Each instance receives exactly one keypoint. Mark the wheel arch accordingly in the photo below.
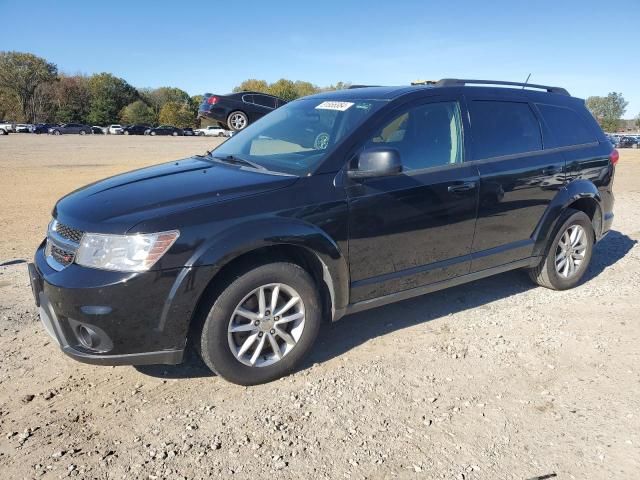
(580, 195)
(273, 240)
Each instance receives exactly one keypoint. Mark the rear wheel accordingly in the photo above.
(175, 134)
(3, 131)
(82, 132)
(57, 132)
(262, 324)
(568, 255)
(237, 121)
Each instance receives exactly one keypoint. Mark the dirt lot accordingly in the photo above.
(495, 379)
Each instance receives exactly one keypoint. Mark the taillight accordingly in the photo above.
(614, 156)
(212, 100)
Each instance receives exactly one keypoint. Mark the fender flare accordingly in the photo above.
(573, 191)
(244, 238)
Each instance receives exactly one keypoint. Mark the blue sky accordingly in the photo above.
(588, 46)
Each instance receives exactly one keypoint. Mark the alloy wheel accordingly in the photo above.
(571, 251)
(266, 325)
(238, 121)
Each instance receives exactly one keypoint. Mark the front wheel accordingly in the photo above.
(57, 132)
(82, 132)
(568, 255)
(262, 324)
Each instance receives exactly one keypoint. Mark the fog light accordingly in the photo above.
(88, 338)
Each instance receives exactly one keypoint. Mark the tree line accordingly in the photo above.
(32, 90)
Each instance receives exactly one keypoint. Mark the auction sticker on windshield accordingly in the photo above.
(341, 106)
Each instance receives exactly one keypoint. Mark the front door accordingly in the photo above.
(417, 227)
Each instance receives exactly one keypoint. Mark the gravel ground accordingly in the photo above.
(494, 379)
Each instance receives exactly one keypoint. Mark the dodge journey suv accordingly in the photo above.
(332, 204)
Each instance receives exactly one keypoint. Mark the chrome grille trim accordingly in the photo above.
(62, 244)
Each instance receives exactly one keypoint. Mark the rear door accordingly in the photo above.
(518, 179)
(415, 228)
(263, 105)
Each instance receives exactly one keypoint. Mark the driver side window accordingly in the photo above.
(428, 135)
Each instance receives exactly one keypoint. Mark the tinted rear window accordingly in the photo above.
(567, 127)
(503, 128)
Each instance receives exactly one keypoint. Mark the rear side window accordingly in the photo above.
(567, 127)
(264, 101)
(503, 128)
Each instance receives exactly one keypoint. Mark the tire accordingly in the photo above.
(219, 348)
(546, 274)
(153, 134)
(57, 132)
(3, 131)
(175, 134)
(82, 132)
(126, 132)
(237, 121)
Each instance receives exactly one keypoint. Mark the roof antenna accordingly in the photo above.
(526, 81)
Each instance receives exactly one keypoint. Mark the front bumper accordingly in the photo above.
(115, 318)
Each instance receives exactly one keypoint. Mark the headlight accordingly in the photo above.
(124, 253)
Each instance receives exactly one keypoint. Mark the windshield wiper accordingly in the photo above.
(237, 161)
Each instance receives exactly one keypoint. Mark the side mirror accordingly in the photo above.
(376, 162)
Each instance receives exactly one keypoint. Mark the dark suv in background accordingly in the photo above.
(237, 110)
(335, 203)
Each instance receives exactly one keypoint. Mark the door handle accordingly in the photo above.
(461, 187)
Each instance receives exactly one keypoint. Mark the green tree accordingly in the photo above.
(137, 112)
(157, 98)
(71, 99)
(253, 85)
(9, 106)
(305, 88)
(177, 114)
(608, 110)
(109, 95)
(638, 121)
(284, 89)
(21, 74)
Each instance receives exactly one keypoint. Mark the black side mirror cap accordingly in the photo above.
(376, 162)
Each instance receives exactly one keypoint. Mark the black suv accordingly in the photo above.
(137, 129)
(237, 110)
(333, 204)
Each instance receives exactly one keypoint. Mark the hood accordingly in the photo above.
(118, 203)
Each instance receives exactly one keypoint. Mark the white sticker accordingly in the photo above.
(341, 106)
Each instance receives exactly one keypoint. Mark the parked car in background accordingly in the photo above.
(70, 128)
(188, 132)
(237, 110)
(23, 128)
(136, 129)
(212, 131)
(98, 130)
(165, 130)
(7, 127)
(40, 128)
(115, 129)
(627, 142)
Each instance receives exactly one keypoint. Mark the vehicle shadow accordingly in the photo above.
(340, 337)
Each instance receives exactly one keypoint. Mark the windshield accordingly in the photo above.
(295, 138)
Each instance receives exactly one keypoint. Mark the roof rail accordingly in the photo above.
(361, 86)
(456, 82)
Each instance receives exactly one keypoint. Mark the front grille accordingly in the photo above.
(67, 232)
(63, 257)
(62, 244)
